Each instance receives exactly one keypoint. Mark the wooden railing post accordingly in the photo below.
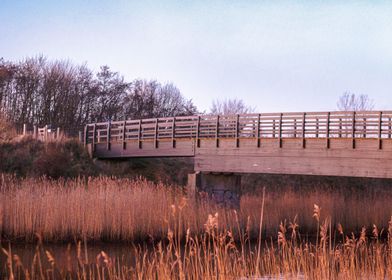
(198, 132)
(124, 136)
(139, 136)
(174, 132)
(364, 128)
(156, 134)
(258, 131)
(327, 128)
(24, 129)
(380, 130)
(340, 127)
(108, 136)
(217, 132)
(280, 130)
(237, 120)
(353, 130)
(273, 128)
(94, 133)
(85, 135)
(295, 127)
(58, 133)
(35, 134)
(303, 130)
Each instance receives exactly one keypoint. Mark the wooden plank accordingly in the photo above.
(326, 166)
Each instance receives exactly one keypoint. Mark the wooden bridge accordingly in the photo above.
(316, 143)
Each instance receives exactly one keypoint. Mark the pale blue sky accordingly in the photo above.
(275, 55)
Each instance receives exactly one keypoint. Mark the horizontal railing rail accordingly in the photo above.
(338, 124)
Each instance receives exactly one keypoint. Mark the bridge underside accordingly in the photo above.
(326, 157)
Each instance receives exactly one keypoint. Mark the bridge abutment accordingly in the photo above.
(222, 188)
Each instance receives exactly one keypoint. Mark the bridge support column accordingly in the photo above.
(223, 188)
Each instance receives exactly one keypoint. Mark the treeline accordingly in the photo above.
(37, 91)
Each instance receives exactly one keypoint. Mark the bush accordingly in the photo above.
(7, 131)
(30, 157)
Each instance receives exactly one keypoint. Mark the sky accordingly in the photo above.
(275, 55)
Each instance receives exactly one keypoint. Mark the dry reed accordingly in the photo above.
(122, 209)
(214, 254)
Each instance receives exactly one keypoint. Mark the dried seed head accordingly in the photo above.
(316, 212)
(340, 229)
(50, 257)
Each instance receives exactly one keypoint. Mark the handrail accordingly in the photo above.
(301, 125)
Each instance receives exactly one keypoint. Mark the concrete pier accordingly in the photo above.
(223, 188)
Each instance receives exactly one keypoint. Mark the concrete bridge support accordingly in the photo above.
(223, 188)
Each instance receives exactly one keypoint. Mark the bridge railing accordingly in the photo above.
(364, 124)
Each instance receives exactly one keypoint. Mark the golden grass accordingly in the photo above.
(215, 254)
(124, 209)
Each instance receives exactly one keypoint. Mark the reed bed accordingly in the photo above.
(113, 209)
(215, 254)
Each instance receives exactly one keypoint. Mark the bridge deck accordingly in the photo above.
(319, 143)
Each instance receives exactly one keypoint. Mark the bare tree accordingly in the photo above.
(36, 91)
(150, 99)
(351, 102)
(230, 107)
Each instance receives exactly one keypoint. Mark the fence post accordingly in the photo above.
(108, 136)
(58, 133)
(46, 133)
(156, 134)
(94, 135)
(124, 134)
(353, 130)
(217, 132)
(85, 135)
(380, 130)
(139, 136)
(80, 136)
(198, 132)
(303, 129)
(35, 132)
(237, 141)
(327, 133)
(280, 130)
(258, 131)
(174, 132)
(24, 129)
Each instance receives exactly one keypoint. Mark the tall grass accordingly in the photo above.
(215, 254)
(124, 209)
